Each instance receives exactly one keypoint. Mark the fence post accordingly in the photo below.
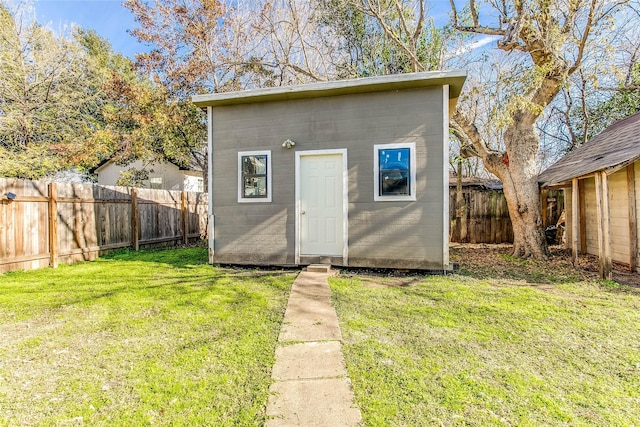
(53, 225)
(576, 216)
(544, 200)
(134, 219)
(185, 231)
(633, 221)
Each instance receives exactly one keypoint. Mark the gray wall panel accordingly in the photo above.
(409, 234)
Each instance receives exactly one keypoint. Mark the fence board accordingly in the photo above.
(90, 220)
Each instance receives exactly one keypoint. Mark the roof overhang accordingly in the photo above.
(565, 181)
(454, 79)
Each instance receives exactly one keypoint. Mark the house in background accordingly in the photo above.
(600, 180)
(162, 176)
(351, 173)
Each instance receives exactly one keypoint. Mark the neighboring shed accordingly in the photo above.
(600, 180)
(162, 175)
(352, 172)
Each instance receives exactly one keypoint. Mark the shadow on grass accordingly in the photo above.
(174, 274)
(177, 257)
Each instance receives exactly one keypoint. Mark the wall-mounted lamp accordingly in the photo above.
(288, 143)
(10, 196)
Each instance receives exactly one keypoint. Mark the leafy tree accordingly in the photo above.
(385, 36)
(200, 46)
(44, 105)
(71, 102)
(133, 177)
(605, 88)
(624, 101)
(138, 120)
(188, 42)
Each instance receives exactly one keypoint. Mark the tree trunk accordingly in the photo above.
(519, 177)
(517, 170)
(523, 201)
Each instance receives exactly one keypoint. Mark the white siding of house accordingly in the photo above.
(193, 182)
(172, 177)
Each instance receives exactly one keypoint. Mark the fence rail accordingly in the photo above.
(63, 222)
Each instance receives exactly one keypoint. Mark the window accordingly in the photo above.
(395, 172)
(254, 176)
(155, 183)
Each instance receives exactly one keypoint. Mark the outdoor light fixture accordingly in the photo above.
(11, 196)
(288, 144)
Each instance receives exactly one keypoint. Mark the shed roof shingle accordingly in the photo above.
(614, 146)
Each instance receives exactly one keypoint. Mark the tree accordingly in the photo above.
(133, 177)
(138, 120)
(385, 37)
(605, 89)
(44, 105)
(188, 41)
(200, 46)
(203, 46)
(549, 40)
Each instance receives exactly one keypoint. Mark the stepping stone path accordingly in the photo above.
(311, 386)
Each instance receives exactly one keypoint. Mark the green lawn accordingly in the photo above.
(147, 338)
(162, 338)
(467, 350)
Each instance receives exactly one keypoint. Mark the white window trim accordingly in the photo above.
(242, 199)
(412, 177)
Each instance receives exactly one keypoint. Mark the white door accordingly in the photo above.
(321, 198)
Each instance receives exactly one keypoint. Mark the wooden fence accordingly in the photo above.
(50, 223)
(483, 216)
(62, 222)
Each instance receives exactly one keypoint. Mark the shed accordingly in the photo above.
(349, 173)
(600, 180)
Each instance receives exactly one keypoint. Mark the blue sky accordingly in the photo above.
(111, 20)
(107, 17)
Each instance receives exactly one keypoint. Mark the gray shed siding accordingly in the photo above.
(409, 234)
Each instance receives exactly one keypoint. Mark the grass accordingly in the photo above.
(464, 350)
(147, 338)
(162, 338)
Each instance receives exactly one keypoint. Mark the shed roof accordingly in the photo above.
(455, 79)
(616, 146)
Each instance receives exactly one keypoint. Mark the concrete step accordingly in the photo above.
(319, 268)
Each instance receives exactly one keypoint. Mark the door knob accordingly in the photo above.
(302, 212)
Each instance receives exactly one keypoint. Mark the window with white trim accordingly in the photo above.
(395, 172)
(254, 176)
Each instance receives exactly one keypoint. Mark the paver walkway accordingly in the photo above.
(311, 385)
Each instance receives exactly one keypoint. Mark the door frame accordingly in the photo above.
(345, 198)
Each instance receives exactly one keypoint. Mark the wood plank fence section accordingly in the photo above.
(483, 216)
(63, 222)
